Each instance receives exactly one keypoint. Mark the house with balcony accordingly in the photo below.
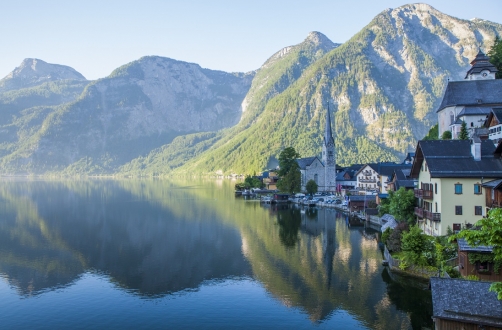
(450, 175)
(367, 178)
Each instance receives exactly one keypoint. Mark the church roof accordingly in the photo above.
(304, 162)
(479, 63)
(475, 111)
(480, 93)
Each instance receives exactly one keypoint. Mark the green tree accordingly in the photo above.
(311, 186)
(384, 207)
(488, 234)
(464, 134)
(495, 55)
(414, 243)
(289, 171)
(402, 205)
(446, 135)
(252, 182)
(433, 133)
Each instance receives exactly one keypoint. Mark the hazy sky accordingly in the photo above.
(97, 36)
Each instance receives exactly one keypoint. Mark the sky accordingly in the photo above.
(97, 36)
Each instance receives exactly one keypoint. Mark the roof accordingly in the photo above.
(453, 159)
(472, 92)
(390, 222)
(351, 173)
(465, 301)
(479, 63)
(492, 184)
(362, 198)
(403, 178)
(464, 246)
(474, 111)
(304, 162)
(495, 112)
(384, 168)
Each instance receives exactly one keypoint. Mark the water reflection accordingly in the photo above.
(52, 232)
(153, 238)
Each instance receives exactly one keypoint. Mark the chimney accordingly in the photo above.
(476, 147)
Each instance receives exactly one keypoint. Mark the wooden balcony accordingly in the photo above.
(419, 212)
(423, 194)
(432, 216)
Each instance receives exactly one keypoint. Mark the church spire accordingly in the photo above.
(328, 135)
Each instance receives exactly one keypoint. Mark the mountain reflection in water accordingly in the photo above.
(153, 238)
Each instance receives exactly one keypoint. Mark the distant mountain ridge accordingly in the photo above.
(33, 72)
(158, 116)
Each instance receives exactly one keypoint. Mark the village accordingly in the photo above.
(454, 181)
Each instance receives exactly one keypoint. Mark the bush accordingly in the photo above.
(394, 240)
(386, 234)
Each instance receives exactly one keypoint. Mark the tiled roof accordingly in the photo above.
(493, 183)
(472, 92)
(474, 111)
(464, 246)
(362, 198)
(304, 162)
(465, 301)
(453, 159)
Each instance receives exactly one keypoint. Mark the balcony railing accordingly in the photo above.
(419, 212)
(423, 194)
(496, 204)
(367, 180)
(432, 216)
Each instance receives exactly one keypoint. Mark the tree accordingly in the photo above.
(287, 160)
(414, 243)
(464, 134)
(289, 171)
(495, 55)
(311, 186)
(402, 205)
(446, 135)
(252, 182)
(433, 133)
(488, 232)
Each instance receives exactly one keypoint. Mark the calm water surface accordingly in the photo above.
(131, 254)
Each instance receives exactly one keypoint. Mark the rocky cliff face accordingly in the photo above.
(384, 86)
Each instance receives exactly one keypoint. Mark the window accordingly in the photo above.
(458, 210)
(458, 188)
(315, 178)
(478, 210)
(435, 188)
(436, 207)
(477, 188)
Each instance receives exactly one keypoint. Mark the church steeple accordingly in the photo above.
(328, 156)
(481, 68)
(328, 135)
(328, 148)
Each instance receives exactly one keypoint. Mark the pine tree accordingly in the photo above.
(495, 55)
(464, 134)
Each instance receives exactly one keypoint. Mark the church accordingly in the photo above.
(322, 171)
(470, 100)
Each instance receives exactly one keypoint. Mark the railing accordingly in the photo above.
(432, 216)
(423, 194)
(419, 212)
(496, 203)
(367, 180)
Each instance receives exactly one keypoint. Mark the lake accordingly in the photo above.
(188, 254)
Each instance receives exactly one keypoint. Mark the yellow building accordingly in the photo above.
(450, 174)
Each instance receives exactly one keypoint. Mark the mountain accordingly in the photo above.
(140, 106)
(33, 72)
(383, 85)
(275, 76)
(157, 116)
